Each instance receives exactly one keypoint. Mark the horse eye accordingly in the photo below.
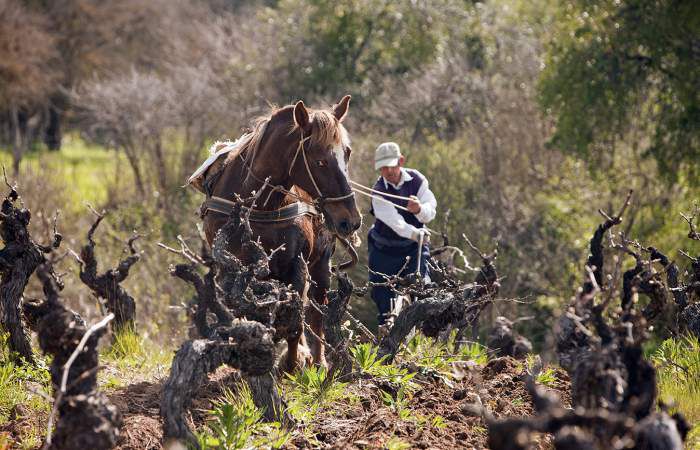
(321, 163)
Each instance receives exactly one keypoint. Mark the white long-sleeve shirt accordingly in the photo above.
(387, 213)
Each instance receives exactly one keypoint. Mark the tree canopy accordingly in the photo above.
(619, 66)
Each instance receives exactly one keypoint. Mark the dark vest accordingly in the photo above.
(409, 188)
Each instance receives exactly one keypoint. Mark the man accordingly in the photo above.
(396, 232)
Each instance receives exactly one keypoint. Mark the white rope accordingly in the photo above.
(381, 198)
(386, 194)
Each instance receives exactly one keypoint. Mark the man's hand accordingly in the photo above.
(413, 205)
(420, 232)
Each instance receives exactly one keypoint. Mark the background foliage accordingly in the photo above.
(526, 118)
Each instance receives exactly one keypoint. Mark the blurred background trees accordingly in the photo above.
(526, 116)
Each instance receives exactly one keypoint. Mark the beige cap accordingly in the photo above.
(387, 155)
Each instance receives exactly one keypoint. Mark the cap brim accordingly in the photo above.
(387, 162)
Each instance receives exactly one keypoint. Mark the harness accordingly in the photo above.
(285, 213)
(289, 212)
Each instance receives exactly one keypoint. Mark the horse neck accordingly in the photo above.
(264, 164)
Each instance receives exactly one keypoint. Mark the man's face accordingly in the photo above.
(392, 174)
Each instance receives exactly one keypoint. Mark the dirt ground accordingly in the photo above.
(368, 423)
(363, 424)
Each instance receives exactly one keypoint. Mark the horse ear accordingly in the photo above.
(301, 116)
(341, 109)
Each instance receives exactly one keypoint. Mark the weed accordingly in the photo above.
(14, 382)
(546, 377)
(236, 423)
(366, 357)
(17, 383)
(473, 351)
(479, 430)
(428, 353)
(438, 422)
(368, 361)
(400, 403)
(311, 390)
(395, 443)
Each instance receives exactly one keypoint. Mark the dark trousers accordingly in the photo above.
(388, 260)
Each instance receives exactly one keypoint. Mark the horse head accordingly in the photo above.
(320, 164)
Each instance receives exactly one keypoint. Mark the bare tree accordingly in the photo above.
(27, 74)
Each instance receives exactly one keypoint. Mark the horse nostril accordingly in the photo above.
(344, 227)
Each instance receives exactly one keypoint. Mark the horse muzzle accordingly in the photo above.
(342, 218)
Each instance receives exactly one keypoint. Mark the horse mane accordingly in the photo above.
(326, 131)
(251, 139)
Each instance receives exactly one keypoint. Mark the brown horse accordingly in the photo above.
(304, 155)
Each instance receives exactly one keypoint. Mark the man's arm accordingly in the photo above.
(428, 204)
(387, 213)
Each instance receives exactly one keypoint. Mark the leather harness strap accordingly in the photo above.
(292, 211)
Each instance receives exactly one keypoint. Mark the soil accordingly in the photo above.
(366, 423)
(499, 387)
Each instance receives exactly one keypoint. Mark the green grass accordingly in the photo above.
(26, 386)
(546, 376)
(473, 351)
(678, 378)
(82, 167)
(428, 353)
(438, 356)
(368, 362)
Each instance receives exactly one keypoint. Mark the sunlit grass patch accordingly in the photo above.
(428, 352)
(678, 378)
(473, 351)
(85, 168)
(545, 376)
(134, 357)
(23, 389)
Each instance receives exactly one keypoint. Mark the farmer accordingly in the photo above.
(397, 231)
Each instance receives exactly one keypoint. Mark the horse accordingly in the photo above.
(296, 160)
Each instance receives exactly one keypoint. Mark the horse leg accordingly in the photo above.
(298, 279)
(320, 277)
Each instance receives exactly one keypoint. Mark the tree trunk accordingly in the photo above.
(134, 163)
(17, 149)
(53, 132)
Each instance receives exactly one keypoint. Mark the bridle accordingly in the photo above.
(321, 199)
